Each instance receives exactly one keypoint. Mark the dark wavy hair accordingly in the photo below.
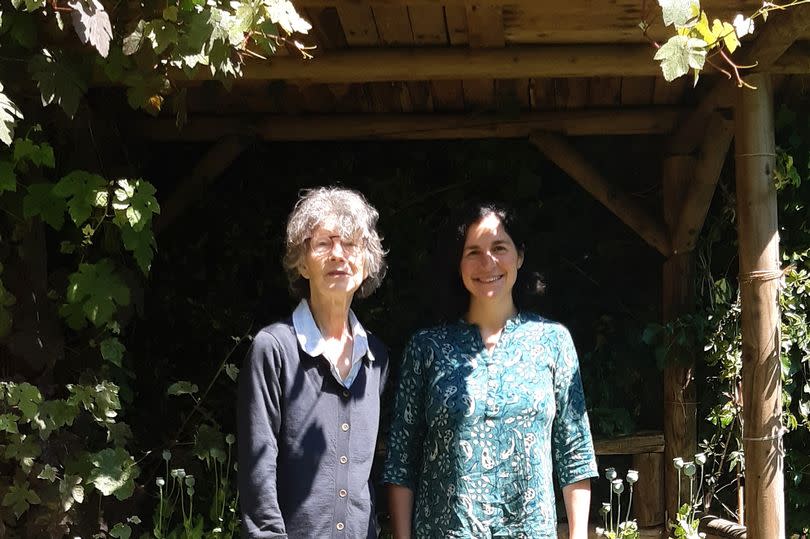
(453, 298)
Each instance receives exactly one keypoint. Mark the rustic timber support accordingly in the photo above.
(648, 504)
(377, 64)
(696, 203)
(210, 166)
(646, 121)
(759, 288)
(680, 419)
(565, 156)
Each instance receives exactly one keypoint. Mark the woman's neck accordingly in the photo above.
(331, 314)
(490, 316)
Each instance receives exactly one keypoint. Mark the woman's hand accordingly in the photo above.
(577, 497)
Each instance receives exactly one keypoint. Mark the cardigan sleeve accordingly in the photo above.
(258, 424)
(408, 421)
(571, 442)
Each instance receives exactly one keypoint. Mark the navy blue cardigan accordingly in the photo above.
(306, 443)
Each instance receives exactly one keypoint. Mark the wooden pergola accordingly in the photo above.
(454, 69)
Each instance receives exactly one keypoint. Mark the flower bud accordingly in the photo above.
(160, 482)
(605, 509)
(610, 474)
(229, 439)
(632, 476)
(700, 459)
(190, 481)
(617, 485)
(689, 469)
(678, 463)
(167, 455)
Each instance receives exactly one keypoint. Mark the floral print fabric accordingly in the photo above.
(474, 433)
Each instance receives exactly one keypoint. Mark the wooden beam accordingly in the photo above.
(209, 167)
(718, 528)
(658, 120)
(759, 292)
(632, 444)
(453, 63)
(716, 142)
(575, 165)
(649, 507)
(680, 416)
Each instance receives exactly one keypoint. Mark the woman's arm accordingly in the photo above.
(577, 497)
(400, 503)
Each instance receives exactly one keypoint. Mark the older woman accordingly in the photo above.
(309, 393)
(488, 404)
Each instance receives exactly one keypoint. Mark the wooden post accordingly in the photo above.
(759, 287)
(648, 504)
(680, 423)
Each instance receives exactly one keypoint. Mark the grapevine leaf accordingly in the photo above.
(58, 81)
(92, 24)
(679, 12)
(727, 32)
(112, 350)
(133, 41)
(8, 423)
(19, 497)
(161, 35)
(119, 433)
(282, 12)
(232, 371)
(26, 398)
(209, 443)
(41, 201)
(71, 491)
(115, 65)
(182, 388)
(137, 199)
(9, 114)
(40, 155)
(8, 178)
(99, 290)
(680, 53)
(24, 449)
(81, 189)
(141, 244)
(121, 531)
(113, 473)
(707, 33)
(48, 473)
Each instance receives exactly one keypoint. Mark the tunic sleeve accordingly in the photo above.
(572, 445)
(408, 422)
(258, 422)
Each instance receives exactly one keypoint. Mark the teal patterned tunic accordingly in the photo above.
(474, 433)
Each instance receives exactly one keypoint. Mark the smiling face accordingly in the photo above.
(490, 260)
(331, 264)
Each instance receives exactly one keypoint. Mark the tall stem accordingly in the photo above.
(629, 503)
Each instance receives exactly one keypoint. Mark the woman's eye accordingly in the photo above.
(499, 249)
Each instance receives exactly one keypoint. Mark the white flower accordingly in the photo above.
(743, 25)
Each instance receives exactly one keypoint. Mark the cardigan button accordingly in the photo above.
(344, 459)
(339, 526)
(346, 393)
(344, 427)
(343, 493)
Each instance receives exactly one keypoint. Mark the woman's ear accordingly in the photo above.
(520, 259)
(303, 270)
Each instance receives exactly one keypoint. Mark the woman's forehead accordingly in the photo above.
(333, 225)
(488, 228)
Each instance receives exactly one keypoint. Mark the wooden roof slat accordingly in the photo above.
(393, 25)
(326, 28)
(447, 94)
(512, 92)
(571, 93)
(358, 25)
(605, 91)
(669, 93)
(428, 25)
(541, 93)
(485, 26)
(456, 22)
(651, 120)
(637, 90)
(479, 94)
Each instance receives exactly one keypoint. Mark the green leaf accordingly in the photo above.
(115, 65)
(232, 371)
(113, 473)
(112, 350)
(58, 81)
(30, 5)
(209, 443)
(20, 497)
(92, 24)
(727, 32)
(144, 92)
(141, 243)
(170, 13)
(161, 35)
(137, 199)
(680, 53)
(8, 423)
(70, 491)
(9, 114)
(48, 473)
(119, 433)
(58, 412)
(133, 41)
(24, 449)
(8, 178)
(99, 290)
(182, 388)
(73, 315)
(679, 12)
(40, 155)
(81, 189)
(121, 531)
(26, 398)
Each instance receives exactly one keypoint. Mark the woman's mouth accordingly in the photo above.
(489, 280)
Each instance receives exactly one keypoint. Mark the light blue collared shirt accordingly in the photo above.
(312, 342)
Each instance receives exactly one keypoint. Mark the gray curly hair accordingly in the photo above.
(352, 216)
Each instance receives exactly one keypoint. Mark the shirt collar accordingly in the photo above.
(312, 342)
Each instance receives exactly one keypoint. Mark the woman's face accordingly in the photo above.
(333, 265)
(490, 260)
